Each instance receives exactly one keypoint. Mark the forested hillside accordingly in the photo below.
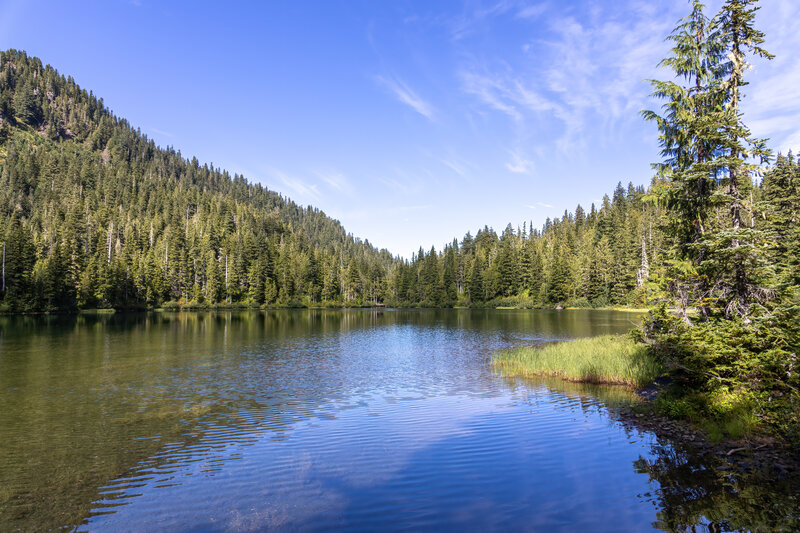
(94, 214)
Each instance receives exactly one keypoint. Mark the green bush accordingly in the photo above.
(732, 375)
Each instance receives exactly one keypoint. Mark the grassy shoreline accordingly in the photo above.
(608, 360)
(720, 416)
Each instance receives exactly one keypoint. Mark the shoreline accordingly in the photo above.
(618, 361)
(762, 453)
(246, 307)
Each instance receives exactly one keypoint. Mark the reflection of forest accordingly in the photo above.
(699, 490)
(90, 398)
(702, 492)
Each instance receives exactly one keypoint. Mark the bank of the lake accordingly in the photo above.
(607, 359)
(622, 360)
(174, 306)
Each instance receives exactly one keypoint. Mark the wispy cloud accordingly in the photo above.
(519, 164)
(538, 205)
(492, 91)
(162, 132)
(298, 186)
(772, 103)
(376, 213)
(406, 95)
(533, 11)
(454, 166)
(580, 74)
(468, 22)
(457, 164)
(337, 181)
(396, 185)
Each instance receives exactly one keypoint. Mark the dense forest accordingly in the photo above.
(94, 215)
(730, 267)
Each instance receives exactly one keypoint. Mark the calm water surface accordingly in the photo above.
(329, 420)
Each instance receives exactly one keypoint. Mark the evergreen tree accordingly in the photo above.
(706, 149)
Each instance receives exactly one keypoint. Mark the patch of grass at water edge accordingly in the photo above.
(608, 359)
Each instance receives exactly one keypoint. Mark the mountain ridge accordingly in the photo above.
(50, 127)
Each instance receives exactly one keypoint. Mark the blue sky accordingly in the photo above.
(410, 122)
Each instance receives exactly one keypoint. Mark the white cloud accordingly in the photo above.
(302, 189)
(337, 182)
(454, 166)
(533, 11)
(519, 164)
(579, 77)
(162, 132)
(492, 91)
(406, 95)
(538, 205)
(472, 19)
(368, 214)
(772, 103)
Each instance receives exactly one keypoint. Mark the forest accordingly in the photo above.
(94, 215)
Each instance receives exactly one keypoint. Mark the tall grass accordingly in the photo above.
(608, 359)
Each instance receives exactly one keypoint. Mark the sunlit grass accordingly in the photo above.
(609, 359)
(619, 309)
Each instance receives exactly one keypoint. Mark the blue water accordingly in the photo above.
(310, 421)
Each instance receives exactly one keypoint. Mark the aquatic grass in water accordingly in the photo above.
(608, 359)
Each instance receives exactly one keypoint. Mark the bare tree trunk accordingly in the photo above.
(110, 235)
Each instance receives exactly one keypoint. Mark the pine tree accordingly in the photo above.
(706, 148)
(739, 264)
(25, 106)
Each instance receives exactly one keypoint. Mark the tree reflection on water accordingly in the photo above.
(701, 491)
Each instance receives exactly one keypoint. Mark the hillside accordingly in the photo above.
(94, 214)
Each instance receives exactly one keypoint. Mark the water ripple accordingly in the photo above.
(325, 420)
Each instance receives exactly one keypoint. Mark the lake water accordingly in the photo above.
(331, 420)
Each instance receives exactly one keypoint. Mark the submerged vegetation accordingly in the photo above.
(608, 359)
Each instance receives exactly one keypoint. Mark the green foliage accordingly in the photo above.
(104, 218)
(733, 242)
(610, 359)
(710, 162)
(93, 214)
(729, 374)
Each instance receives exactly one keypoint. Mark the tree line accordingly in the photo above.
(94, 214)
(730, 260)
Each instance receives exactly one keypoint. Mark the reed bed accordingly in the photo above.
(608, 359)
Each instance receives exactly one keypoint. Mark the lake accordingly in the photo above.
(346, 420)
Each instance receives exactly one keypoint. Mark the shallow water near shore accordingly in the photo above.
(335, 420)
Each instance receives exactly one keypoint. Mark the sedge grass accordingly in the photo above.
(608, 359)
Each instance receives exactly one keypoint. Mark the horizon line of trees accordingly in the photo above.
(94, 215)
